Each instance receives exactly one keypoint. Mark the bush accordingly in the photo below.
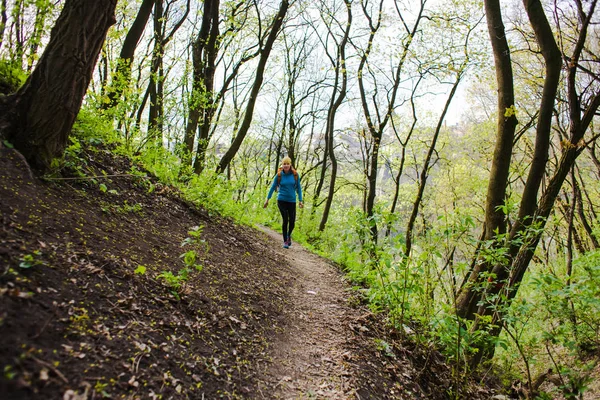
(12, 76)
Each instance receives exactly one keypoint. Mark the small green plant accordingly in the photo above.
(194, 236)
(100, 387)
(190, 258)
(127, 208)
(175, 281)
(9, 372)
(31, 260)
(140, 270)
(384, 347)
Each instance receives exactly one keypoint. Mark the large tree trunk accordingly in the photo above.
(38, 119)
(494, 224)
(258, 80)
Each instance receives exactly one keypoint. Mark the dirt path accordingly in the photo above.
(313, 356)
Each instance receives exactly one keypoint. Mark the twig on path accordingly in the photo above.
(52, 367)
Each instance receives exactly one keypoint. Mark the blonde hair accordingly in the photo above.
(286, 160)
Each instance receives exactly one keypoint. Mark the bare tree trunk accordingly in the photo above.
(372, 114)
(155, 111)
(122, 73)
(336, 102)
(3, 21)
(157, 71)
(506, 124)
(258, 80)
(403, 144)
(39, 117)
(426, 166)
(205, 49)
(582, 217)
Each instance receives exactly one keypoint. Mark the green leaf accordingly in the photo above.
(140, 270)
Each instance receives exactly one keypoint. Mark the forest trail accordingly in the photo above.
(312, 357)
(93, 303)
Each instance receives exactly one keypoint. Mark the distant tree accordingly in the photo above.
(339, 91)
(162, 36)
(204, 54)
(3, 21)
(378, 107)
(24, 23)
(218, 45)
(43, 11)
(453, 69)
(121, 76)
(38, 118)
(256, 86)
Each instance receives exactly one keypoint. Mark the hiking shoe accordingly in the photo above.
(289, 242)
(286, 245)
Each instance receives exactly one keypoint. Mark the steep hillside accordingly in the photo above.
(116, 287)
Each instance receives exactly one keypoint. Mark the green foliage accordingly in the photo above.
(140, 270)
(191, 262)
(215, 193)
(94, 128)
(189, 258)
(555, 321)
(12, 76)
(174, 281)
(31, 260)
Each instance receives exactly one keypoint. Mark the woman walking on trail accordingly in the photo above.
(287, 181)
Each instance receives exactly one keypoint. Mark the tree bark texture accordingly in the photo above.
(38, 118)
(494, 224)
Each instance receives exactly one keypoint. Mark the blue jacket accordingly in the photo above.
(287, 187)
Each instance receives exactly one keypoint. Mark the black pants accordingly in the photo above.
(288, 213)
